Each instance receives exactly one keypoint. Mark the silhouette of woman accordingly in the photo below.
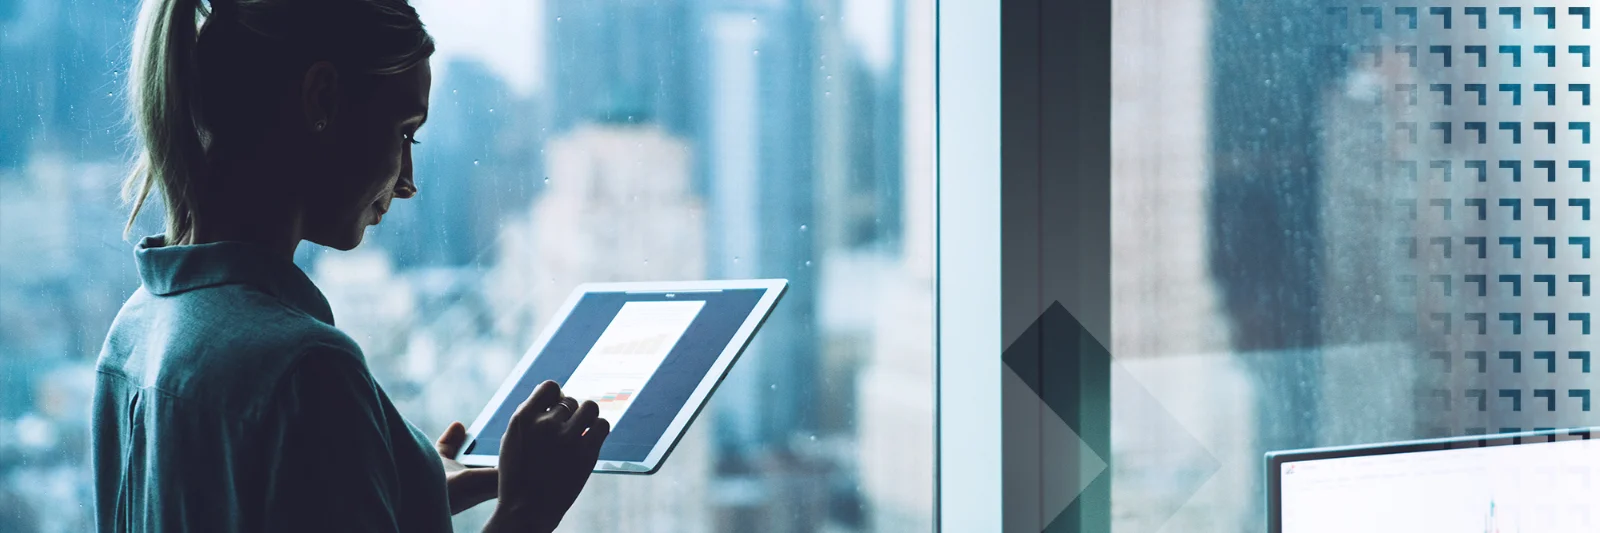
(226, 400)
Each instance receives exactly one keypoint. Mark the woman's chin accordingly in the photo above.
(344, 242)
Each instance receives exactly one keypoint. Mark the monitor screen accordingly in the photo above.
(1537, 486)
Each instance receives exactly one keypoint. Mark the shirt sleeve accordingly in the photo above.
(330, 458)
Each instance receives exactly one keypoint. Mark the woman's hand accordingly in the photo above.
(550, 447)
(467, 487)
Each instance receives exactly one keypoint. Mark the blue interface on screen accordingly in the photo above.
(639, 355)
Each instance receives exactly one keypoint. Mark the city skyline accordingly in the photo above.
(784, 154)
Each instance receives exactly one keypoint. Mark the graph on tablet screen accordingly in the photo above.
(628, 352)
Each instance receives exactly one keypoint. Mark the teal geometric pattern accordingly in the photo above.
(1071, 373)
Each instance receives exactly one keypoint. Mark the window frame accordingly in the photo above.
(1023, 230)
(967, 271)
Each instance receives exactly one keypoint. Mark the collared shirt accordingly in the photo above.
(225, 400)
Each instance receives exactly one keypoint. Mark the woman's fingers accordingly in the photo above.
(581, 420)
(544, 396)
(450, 442)
(563, 410)
(596, 436)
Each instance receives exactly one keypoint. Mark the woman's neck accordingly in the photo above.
(260, 215)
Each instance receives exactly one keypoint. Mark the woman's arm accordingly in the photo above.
(328, 398)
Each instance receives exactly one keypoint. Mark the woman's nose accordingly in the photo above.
(406, 187)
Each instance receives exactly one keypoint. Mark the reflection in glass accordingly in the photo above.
(1297, 237)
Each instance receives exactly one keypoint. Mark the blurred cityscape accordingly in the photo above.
(569, 141)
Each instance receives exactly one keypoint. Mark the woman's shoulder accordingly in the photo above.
(230, 351)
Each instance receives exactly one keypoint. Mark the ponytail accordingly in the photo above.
(196, 92)
(163, 93)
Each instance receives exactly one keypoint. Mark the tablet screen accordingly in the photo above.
(639, 355)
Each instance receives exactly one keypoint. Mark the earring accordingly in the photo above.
(321, 125)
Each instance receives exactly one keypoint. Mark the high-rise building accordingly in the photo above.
(760, 183)
(896, 415)
(857, 125)
(616, 59)
(760, 174)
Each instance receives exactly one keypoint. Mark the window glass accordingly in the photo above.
(568, 141)
(1339, 223)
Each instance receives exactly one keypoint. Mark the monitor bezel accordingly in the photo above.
(1276, 460)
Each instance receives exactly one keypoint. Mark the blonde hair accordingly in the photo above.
(195, 87)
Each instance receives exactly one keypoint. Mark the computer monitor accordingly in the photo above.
(1535, 482)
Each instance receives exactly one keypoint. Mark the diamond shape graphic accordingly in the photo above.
(1054, 372)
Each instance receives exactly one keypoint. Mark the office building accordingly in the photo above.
(895, 419)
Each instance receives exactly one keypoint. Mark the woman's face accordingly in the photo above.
(362, 156)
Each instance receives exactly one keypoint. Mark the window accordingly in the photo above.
(569, 141)
(1327, 231)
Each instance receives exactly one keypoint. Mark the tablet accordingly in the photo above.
(649, 353)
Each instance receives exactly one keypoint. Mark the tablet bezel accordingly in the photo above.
(772, 290)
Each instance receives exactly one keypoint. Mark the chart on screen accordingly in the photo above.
(628, 352)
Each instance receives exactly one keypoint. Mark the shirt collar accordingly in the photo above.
(167, 270)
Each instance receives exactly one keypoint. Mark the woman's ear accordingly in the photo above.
(319, 96)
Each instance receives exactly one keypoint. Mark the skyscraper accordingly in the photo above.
(761, 170)
(613, 59)
(896, 417)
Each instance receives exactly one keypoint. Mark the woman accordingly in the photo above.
(225, 399)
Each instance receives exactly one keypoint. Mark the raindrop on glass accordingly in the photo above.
(808, 263)
(802, 228)
(547, 180)
(558, 19)
(755, 52)
(736, 259)
(829, 93)
(491, 110)
(774, 386)
(647, 261)
(813, 438)
(474, 162)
